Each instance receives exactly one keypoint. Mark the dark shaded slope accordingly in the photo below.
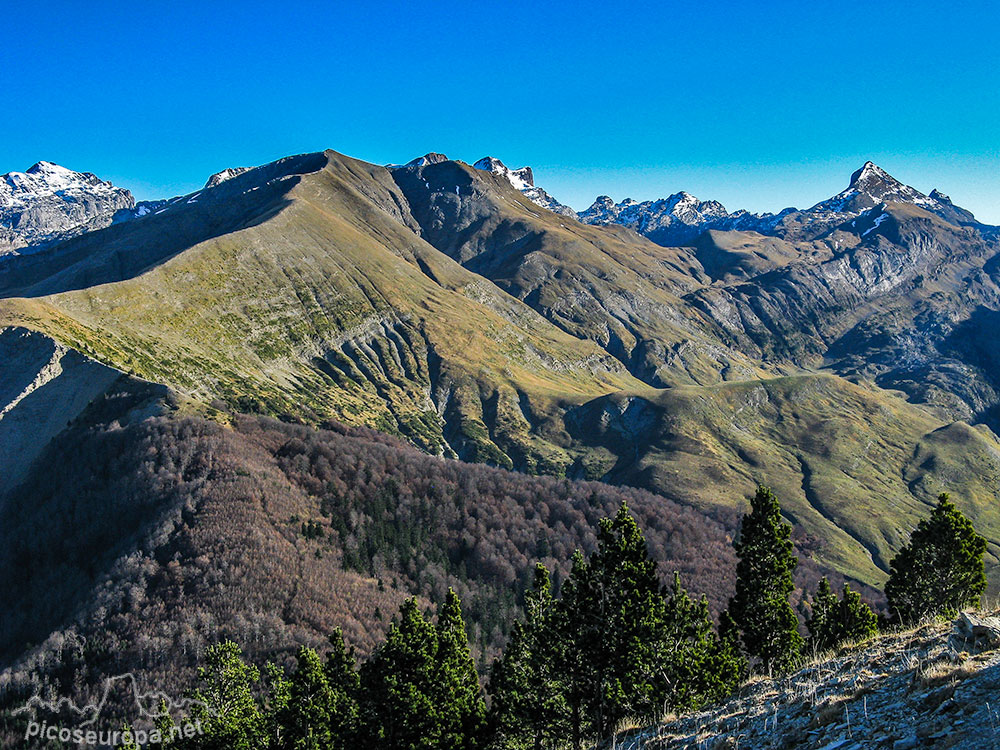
(159, 537)
(605, 284)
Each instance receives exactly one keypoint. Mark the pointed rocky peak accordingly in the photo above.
(521, 178)
(429, 158)
(871, 186)
(940, 197)
(872, 175)
(603, 210)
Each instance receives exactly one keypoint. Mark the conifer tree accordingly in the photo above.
(345, 684)
(823, 615)
(834, 621)
(528, 709)
(420, 690)
(308, 717)
(579, 634)
(164, 724)
(731, 646)
(275, 699)
(856, 621)
(398, 684)
(612, 627)
(697, 665)
(760, 608)
(462, 709)
(225, 706)
(940, 570)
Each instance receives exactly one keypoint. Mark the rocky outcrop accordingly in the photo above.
(909, 690)
(226, 174)
(523, 179)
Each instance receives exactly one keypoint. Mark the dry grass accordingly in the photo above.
(943, 672)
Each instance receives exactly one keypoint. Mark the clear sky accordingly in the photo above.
(758, 104)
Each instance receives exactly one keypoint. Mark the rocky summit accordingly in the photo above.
(49, 202)
(523, 179)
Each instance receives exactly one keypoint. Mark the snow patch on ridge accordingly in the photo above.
(226, 174)
(523, 180)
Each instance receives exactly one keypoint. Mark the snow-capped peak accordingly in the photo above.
(521, 179)
(55, 176)
(870, 186)
(44, 179)
(49, 202)
(524, 181)
(871, 173)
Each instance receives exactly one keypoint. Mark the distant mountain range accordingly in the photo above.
(680, 218)
(845, 354)
(48, 203)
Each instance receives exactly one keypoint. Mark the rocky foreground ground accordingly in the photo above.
(934, 687)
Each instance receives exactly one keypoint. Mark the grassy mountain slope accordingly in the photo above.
(438, 304)
(854, 468)
(606, 284)
(333, 306)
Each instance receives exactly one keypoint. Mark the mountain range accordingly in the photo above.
(842, 354)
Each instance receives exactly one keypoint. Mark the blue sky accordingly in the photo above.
(759, 105)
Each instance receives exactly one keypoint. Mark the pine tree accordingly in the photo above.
(612, 625)
(307, 719)
(398, 686)
(822, 620)
(420, 690)
(856, 621)
(697, 666)
(528, 709)
(345, 684)
(459, 695)
(579, 634)
(225, 706)
(834, 621)
(940, 570)
(760, 608)
(275, 699)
